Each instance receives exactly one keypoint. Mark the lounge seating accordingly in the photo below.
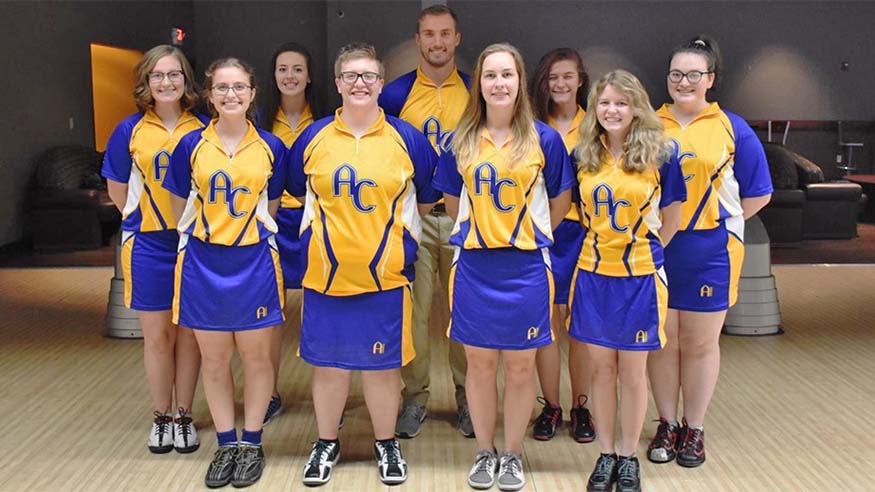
(803, 206)
(68, 205)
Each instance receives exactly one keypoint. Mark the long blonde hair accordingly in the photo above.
(467, 135)
(646, 145)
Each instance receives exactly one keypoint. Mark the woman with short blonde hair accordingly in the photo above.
(365, 179)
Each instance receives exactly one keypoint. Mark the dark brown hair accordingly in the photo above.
(542, 103)
(274, 98)
(706, 46)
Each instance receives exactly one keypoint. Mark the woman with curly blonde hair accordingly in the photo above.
(630, 187)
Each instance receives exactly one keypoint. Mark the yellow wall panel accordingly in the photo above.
(112, 83)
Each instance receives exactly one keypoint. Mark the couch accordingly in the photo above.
(68, 206)
(803, 205)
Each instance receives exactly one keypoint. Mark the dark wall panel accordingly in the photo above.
(253, 30)
(48, 79)
(782, 59)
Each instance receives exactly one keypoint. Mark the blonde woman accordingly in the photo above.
(631, 190)
(365, 179)
(507, 183)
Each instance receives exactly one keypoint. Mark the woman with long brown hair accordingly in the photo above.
(728, 182)
(135, 165)
(291, 107)
(558, 95)
(227, 180)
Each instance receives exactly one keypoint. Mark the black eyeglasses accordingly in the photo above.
(237, 88)
(173, 75)
(693, 76)
(351, 77)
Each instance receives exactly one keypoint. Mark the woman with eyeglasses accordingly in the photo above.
(135, 164)
(364, 178)
(558, 95)
(631, 189)
(226, 181)
(728, 182)
(290, 109)
(507, 182)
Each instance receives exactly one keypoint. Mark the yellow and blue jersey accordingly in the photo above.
(433, 110)
(722, 161)
(571, 137)
(138, 154)
(283, 129)
(361, 225)
(503, 205)
(227, 194)
(621, 215)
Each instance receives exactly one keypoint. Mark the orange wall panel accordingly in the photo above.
(112, 82)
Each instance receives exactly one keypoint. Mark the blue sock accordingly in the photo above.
(227, 438)
(251, 437)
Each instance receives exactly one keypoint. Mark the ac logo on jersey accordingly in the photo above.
(532, 333)
(220, 183)
(603, 197)
(345, 177)
(378, 348)
(160, 163)
(261, 312)
(431, 128)
(485, 174)
(706, 291)
(682, 156)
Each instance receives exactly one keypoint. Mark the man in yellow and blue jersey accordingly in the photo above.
(432, 98)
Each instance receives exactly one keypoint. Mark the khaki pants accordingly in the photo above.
(434, 259)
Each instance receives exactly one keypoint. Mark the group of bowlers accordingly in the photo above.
(619, 225)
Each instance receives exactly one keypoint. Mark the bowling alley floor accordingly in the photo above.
(791, 411)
